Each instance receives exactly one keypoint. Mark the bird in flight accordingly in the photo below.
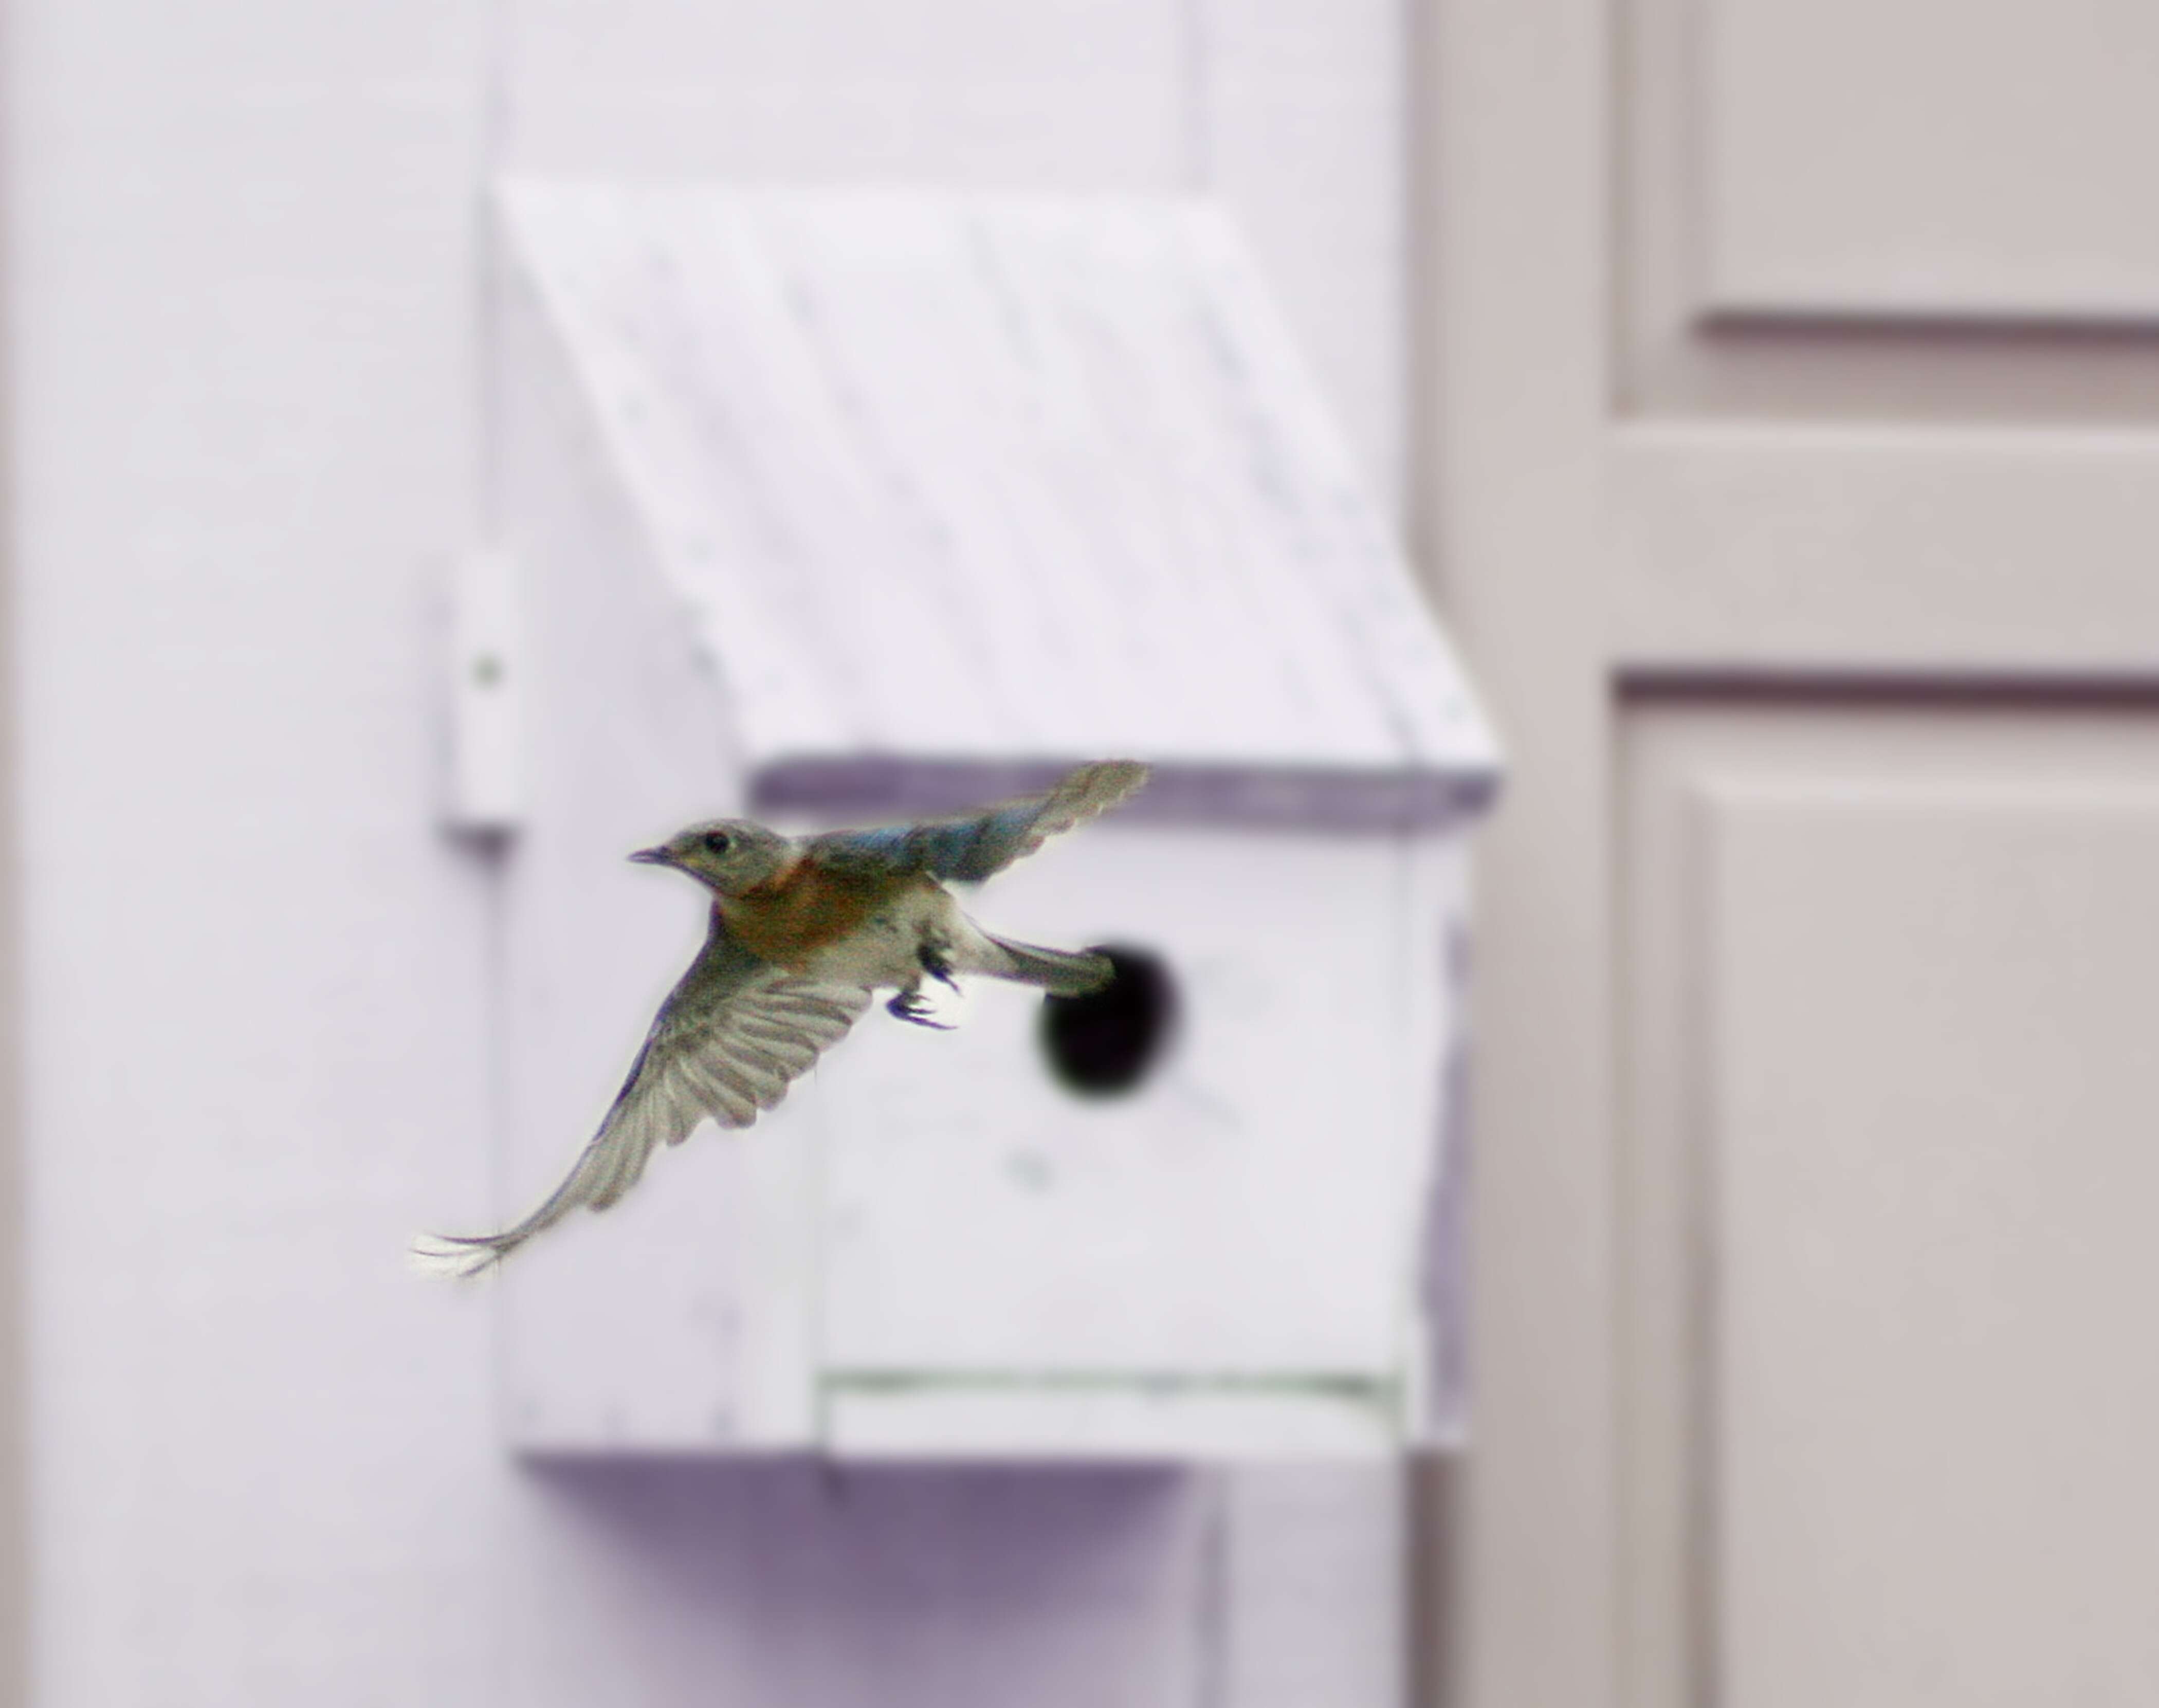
(804, 930)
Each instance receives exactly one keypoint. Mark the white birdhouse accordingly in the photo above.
(841, 508)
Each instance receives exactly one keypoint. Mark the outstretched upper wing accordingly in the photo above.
(969, 849)
(732, 1036)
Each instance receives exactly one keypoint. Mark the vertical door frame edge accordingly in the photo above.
(1513, 277)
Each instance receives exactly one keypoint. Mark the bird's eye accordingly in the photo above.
(717, 841)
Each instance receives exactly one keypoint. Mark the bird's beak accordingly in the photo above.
(653, 856)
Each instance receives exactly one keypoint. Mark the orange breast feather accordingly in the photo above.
(791, 918)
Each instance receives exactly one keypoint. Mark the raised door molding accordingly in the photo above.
(1890, 1391)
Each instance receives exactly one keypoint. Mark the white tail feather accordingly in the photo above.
(444, 1257)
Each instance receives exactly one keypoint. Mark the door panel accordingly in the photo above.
(1886, 356)
(1892, 972)
(1792, 477)
(1886, 209)
(1893, 551)
(1873, 158)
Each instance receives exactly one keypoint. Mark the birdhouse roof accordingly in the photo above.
(952, 485)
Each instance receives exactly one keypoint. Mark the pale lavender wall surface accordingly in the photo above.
(246, 275)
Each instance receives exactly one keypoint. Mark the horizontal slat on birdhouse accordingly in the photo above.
(969, 490)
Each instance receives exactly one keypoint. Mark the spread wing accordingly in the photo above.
(968, 849)
(729, 1041)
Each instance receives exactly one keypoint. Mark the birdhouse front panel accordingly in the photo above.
(1188, 1219)
(1206, 1214)
(1213, 1229)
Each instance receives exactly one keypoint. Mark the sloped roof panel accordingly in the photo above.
(994, 483)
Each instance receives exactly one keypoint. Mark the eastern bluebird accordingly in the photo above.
(803, 930)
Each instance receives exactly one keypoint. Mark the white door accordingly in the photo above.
(1793, 478)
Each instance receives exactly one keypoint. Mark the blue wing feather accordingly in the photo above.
(968, 849)
(963, 850)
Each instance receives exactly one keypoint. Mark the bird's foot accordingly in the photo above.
(913, 1008)
(935, 964)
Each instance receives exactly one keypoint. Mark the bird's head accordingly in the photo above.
(728, 856)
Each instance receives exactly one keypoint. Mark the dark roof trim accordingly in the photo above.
(873, 787)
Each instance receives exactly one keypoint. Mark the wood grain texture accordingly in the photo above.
(998, 478)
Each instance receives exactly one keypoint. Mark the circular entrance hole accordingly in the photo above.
(1106, 1042)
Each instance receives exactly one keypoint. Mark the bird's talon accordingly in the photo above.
(909, 1006)
(940, 968)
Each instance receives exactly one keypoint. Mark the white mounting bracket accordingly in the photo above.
(487, 698)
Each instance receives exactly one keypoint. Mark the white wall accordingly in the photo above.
(245, 266)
